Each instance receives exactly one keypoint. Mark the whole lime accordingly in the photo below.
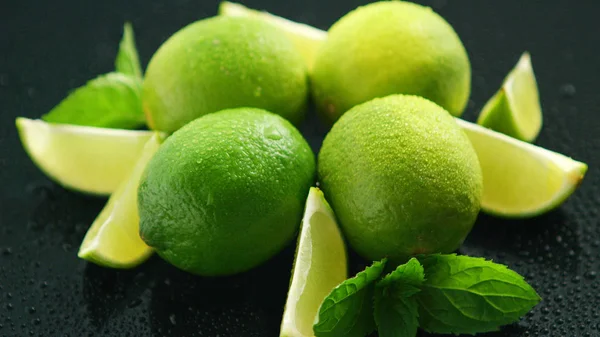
(221, 63)
(391, 47)
(225, 192)
(402, 177)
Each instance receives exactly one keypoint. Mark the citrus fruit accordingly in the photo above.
(520, 179)
(113, 240)
(320, 265)
(515, 109)
(87, 159)
(226, 192)
(224, 62)
(307, 39)
(402, 178)
(386, 48)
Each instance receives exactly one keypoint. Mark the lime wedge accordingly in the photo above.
(113, 240)
(515, 109)
(83, 158)
(521, 179)
(319, 267)
(307, 39)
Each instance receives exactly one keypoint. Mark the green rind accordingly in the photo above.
(226, 192)
(194, 72)
(390, 47)
(402, 178)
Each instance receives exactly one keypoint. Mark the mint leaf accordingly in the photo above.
(471, 295)
(348, 309)
(127, 61)
(396, 307)
(111, 101)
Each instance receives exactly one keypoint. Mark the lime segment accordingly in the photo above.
(319, 267)
(307, 39)
(515, 109)
(521, 179)
(113, 239)
(87, 159)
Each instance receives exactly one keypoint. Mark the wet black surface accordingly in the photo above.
(50, 47)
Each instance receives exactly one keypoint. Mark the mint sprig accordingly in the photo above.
(396, 308)
(467, 295)
(127, 61)
(440, 293)
(348, 309)
(112, 100)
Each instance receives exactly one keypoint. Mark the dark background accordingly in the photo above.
(50, 47)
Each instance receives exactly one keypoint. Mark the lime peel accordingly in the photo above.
(515, 109)
(520, 179)
(320, 265)
(83, 158)
(113, 239)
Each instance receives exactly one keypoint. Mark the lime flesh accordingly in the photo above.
(319, 267)
(515, 109)
(113, 239)
(521, 179)
(86, 159)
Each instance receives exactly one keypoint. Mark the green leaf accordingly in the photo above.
(127, 61)
(111, 101)
(396, 307)
(471, 295)
(348, 309)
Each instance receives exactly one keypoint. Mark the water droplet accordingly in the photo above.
(172, 319)
(272, 132)
(7, 251)
(31, 310)
(567, 90)
(258, 92)
(591, 275)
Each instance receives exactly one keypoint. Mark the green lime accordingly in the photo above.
(402, 177)
(113, 240)
(225, 192)
(220, 63)
(87, 159)
(520, 179)
(515, 109)
(390, 47)
(320, 265)
(307, 39)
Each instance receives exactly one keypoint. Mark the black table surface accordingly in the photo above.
(50, 47)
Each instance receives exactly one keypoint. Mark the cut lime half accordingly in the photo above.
(113, 240)
(307, 39)
(83, 158)
(515, 109)
(320, 265)
(521, 179)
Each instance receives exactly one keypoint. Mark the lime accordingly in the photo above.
(225, 192)
(224, 62)
(307, 39)
(83, 158)
(515, 109)
(113, 240)
(320, 265)
(390, 47)
(520, 179)
(402, 178)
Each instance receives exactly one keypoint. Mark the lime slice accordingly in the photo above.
(83, 158)
(113, 240)
(319, 267)
(515, 109)
(521, 179)
(307, 39)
